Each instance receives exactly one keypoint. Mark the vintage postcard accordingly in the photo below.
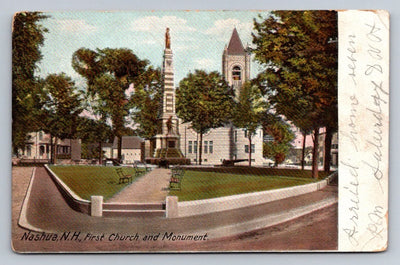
(200, 131)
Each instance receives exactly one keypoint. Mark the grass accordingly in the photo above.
(197, 185)
(86, 181)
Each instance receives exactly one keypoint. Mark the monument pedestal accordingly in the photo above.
(167, 141)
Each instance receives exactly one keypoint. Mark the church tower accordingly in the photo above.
(235, 63)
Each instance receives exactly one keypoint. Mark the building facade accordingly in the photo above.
(228, 142)
(38, 146)
(131, 151)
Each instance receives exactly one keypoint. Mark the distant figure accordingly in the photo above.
(169, 124)
(167, 39)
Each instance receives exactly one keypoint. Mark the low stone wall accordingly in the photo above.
(73, 200)
(175, 209)
(190, 208)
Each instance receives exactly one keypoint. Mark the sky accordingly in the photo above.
(198, 38)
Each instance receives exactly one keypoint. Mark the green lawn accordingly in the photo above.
(86, 181)
(197, 185)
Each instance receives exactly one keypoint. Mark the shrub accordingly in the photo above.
(168, 161)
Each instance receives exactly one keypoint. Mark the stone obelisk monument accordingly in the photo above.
(167, 143)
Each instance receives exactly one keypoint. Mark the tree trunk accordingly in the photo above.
(303, 151)
(100, 153)
(55, 151)
(119, 139)
(315, 154)
(328, 145)
(51, 150)
(200, 147)
(249, 137)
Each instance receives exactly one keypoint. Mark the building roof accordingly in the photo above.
(128, 142)
(235, 46)
(107, 144)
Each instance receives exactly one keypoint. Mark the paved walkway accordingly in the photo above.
(150, 188)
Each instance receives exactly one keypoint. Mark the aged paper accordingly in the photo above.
(364, 130)
(200, 131)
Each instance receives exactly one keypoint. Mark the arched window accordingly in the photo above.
(236, 73)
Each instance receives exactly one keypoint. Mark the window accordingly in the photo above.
(236, 73)
(195, 147)
(210, 147)
(268, 138)
(246, 148)
(245, 133)
(40, 136)
(190, 147)
(205, 147)
(41, 150)
(235, 136)
(28, 150)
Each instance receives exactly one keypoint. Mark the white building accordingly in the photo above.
(38, 146)
(131, 150)
(228, 142)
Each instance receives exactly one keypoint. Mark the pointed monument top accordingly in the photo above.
(235, 46)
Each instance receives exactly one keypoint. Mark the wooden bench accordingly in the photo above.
(122, 176)
(175, 181)
(137, 171)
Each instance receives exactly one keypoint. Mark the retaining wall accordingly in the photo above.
(97, 207)
(73, 200)
(190, 208)
(176, 209)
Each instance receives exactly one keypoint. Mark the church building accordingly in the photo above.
(228, 142)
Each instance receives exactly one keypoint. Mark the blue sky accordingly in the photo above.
(197, 37)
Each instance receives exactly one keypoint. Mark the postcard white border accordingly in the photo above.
(390, 257)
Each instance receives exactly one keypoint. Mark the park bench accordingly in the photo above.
(137, 171)
(175, 181)
(122, 176)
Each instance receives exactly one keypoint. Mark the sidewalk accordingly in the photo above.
(150, 188)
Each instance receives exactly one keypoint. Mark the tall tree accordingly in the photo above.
(27, 38)
(301, 67)
(249, 111)
(146, 103)
(62, 108)
(204, 100)
(93, 131)
(283, 136)
(109, 74)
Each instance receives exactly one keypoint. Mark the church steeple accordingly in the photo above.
(235, 46)
(235, 63)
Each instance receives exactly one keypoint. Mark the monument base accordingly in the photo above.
(167, 152)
